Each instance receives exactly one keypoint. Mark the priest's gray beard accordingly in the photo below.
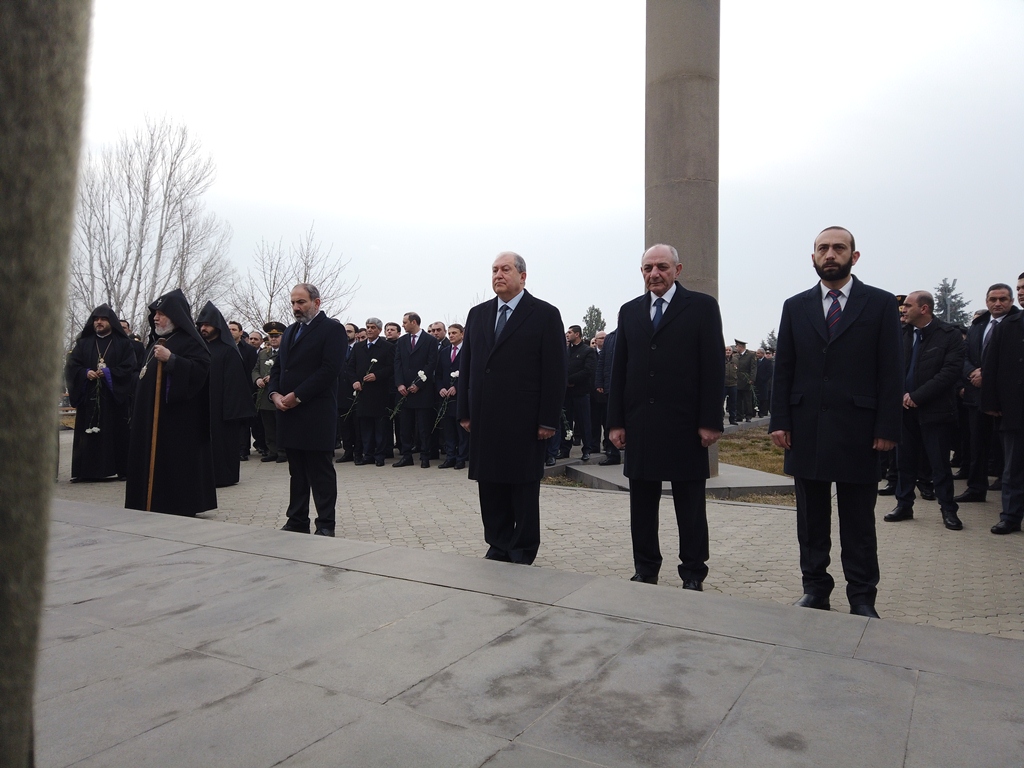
(164, 330)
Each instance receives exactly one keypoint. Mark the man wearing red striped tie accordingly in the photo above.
(836, 407)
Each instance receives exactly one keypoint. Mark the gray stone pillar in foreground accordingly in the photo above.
(42, 85)
(681, 206)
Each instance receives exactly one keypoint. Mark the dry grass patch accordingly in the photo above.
(563, 481)
(751, 448)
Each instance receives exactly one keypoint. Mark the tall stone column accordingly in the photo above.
(42, 94)
(681, 175)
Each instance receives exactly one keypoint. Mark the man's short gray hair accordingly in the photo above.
(374, 321)
(672, 250)
(312, 290)
(517, 260)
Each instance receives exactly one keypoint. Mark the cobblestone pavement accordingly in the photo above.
(968, 580)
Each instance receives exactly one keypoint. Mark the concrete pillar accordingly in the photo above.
(681, 174)
(42, 79)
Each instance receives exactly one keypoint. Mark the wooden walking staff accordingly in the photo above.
(156, 425)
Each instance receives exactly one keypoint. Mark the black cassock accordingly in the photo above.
(101, 424)
(231, 405)
(183, 482)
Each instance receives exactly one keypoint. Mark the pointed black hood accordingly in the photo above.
(103, 310)
(212, 316)
(175, 306)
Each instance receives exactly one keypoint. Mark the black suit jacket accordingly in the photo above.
(409, 362)
(1003, 371)
(666, 384)
(510, 387)
(443, 378)
(375, 397)
(940, 361)
(973, 354)
(309, 367)
(835, 397)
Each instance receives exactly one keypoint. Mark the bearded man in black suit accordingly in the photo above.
(512, 378)
(304, 388)
(665, 409)
(837, 406)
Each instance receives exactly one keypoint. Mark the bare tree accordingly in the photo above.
(141, 227)
(263, 294)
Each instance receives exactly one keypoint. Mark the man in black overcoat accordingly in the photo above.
(369, 372)
(603, 384)
(304, 388)
(763, 382)
(999, 304)
(183, 480)
(415, 354)
(252, 431)
(1002, 397)
(582, 364)
(837, 403)
(934, 355)
(231, 406)
(665, 410)
(99, 375)
(512, 380)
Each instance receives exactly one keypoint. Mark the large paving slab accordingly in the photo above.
(158, 650)
(930, 576)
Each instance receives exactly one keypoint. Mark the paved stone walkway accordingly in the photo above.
(968, 580)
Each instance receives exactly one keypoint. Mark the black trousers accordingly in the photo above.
(598, 421)
(981, 426)
(764, 399)
(511, 517)
(373, 430)
(691, 517)
(1013, 476)
(932, 440)
(577, 415)
(270, 430)
(311, 471)
(856, 535)
(416, 421)
(745, 406)
(731, 396)
(456, 439)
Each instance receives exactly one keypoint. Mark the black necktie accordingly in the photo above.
(910, 382)
(988, 335)
(658, 304)
(502, 317)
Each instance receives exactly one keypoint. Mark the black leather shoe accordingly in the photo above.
(813, 601)
(693, 584)
(864, 610)
(324, 532)
(608, 461)
(586, 455)
(927, 493)
(562, 455)
(287, 527)
(900, 513)
(243, 457)
(346, 456)
(645, 579)
(281, 459)
(968, 496)
(424, 463)
(361, 462)
(889, 490)
(997, 484)
(951, 521)
(549, 461)
(1002, 528)
(405, 461)
(378, 462)
(269, 457)
(460, 465)
(446, 464)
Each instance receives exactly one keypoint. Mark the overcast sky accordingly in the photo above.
(424, 138)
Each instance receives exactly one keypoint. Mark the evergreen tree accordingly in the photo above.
(771, 342)
(592, 322)
(950, 305)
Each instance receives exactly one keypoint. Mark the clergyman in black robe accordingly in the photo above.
(231, 407)
(183, 481)
(99, 377)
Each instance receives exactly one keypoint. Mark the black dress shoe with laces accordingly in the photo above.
(900, 513)
(446, 464)
(549, 461)
(693, 585)
(608, 461)
(645, 579)
(813, 601)
(1002, 528)
(951, 521)
(424, 463)
(405, 461)
(864, 610)
(889, 490)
